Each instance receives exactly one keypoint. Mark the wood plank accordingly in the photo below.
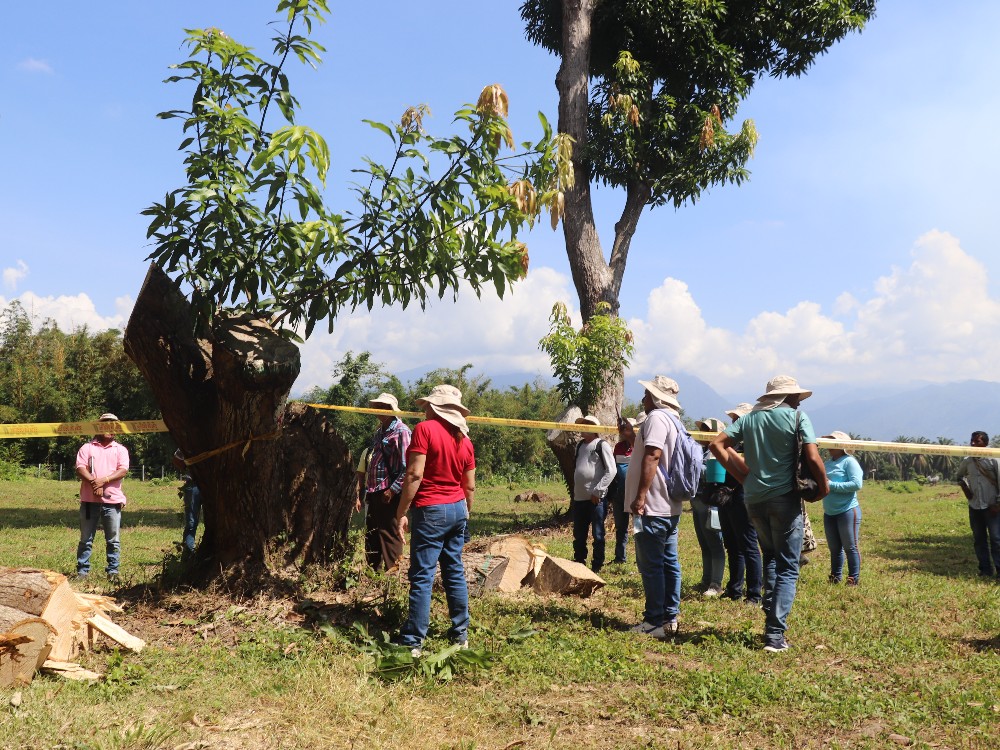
(117, 633)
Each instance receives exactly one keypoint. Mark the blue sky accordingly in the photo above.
(862, 248)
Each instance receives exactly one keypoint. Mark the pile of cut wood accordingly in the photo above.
(45, 624)
(511, 563)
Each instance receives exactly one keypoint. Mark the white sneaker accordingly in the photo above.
(712, 591)
(416, 652)
(463, 645)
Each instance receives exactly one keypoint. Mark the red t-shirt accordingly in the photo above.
(445, 464)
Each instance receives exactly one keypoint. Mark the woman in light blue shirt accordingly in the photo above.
(842, 513)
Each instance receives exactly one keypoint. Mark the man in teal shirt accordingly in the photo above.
(767, 472)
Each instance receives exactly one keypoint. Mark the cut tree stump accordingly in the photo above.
(48, 595)
(556, 575)
(42, 618)
(520, 565)
(25, 642)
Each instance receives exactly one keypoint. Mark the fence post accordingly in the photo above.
(39, 474)
(60, 472)
(144, 472)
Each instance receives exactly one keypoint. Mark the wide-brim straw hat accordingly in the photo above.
(385, 399)
(739, 410)
(784, 385)
(108, 417)
(589, 419)
(444, 395)
(446, 402)
(710, 425)
(663, 389)
(839, 435)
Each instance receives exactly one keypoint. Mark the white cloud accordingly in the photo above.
(34, 65)
(933, 320)
(14, 274)
(72, 312)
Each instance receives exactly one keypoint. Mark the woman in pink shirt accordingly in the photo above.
(440, 483)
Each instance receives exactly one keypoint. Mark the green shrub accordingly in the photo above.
(902, 487)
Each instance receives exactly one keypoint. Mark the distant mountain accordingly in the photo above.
(951, 410)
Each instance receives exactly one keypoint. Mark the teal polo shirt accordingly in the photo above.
(768, 439)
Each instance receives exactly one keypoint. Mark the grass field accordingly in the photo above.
(910, 658)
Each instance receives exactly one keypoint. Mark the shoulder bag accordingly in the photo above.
(806, 487)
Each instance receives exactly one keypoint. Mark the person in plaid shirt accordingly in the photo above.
(383, 485)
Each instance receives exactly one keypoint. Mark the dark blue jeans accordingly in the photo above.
(659, 567)
(779, 530)
(713, 553)
(587, 518)
(842, 534)
(437, 534)
(192, 512)
(986, 540)
(616, 500)
(740, 538)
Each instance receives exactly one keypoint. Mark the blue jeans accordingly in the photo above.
(740, 539)
(842, 534)
(986, 540)
(588, 517)
(616, 499)
(713, 553)
(192, 512)
(109, 517)
(437, 533)
(778, 522)
(660, 568)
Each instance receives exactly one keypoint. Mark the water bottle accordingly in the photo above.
(636, 524)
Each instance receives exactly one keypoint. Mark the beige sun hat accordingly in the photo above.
(839, 435)
(639, 419)
(710, 425)
(589, 419)
(446, 402)
(664, 389)
(739, 410)
(385, 399)
(108, 417)
(784, 385)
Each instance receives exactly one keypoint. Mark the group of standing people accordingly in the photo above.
(758, 524)
(424, 482)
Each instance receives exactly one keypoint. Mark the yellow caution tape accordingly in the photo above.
(62, 429)
(59, 429)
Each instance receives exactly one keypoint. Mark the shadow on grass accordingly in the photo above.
(493, 523)
(940, 554)
(30, 518)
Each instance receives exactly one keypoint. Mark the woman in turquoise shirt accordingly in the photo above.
(842, 513)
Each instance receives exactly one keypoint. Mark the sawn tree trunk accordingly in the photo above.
(277, 482)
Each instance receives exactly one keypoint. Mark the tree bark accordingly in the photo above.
(596, 280)
(277, 482)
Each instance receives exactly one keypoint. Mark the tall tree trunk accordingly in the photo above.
(277, 482)
(596, 279)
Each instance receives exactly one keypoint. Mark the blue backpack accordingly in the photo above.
(684, 475)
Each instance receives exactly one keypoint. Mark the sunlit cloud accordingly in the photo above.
(34, 65)
(13, 275)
